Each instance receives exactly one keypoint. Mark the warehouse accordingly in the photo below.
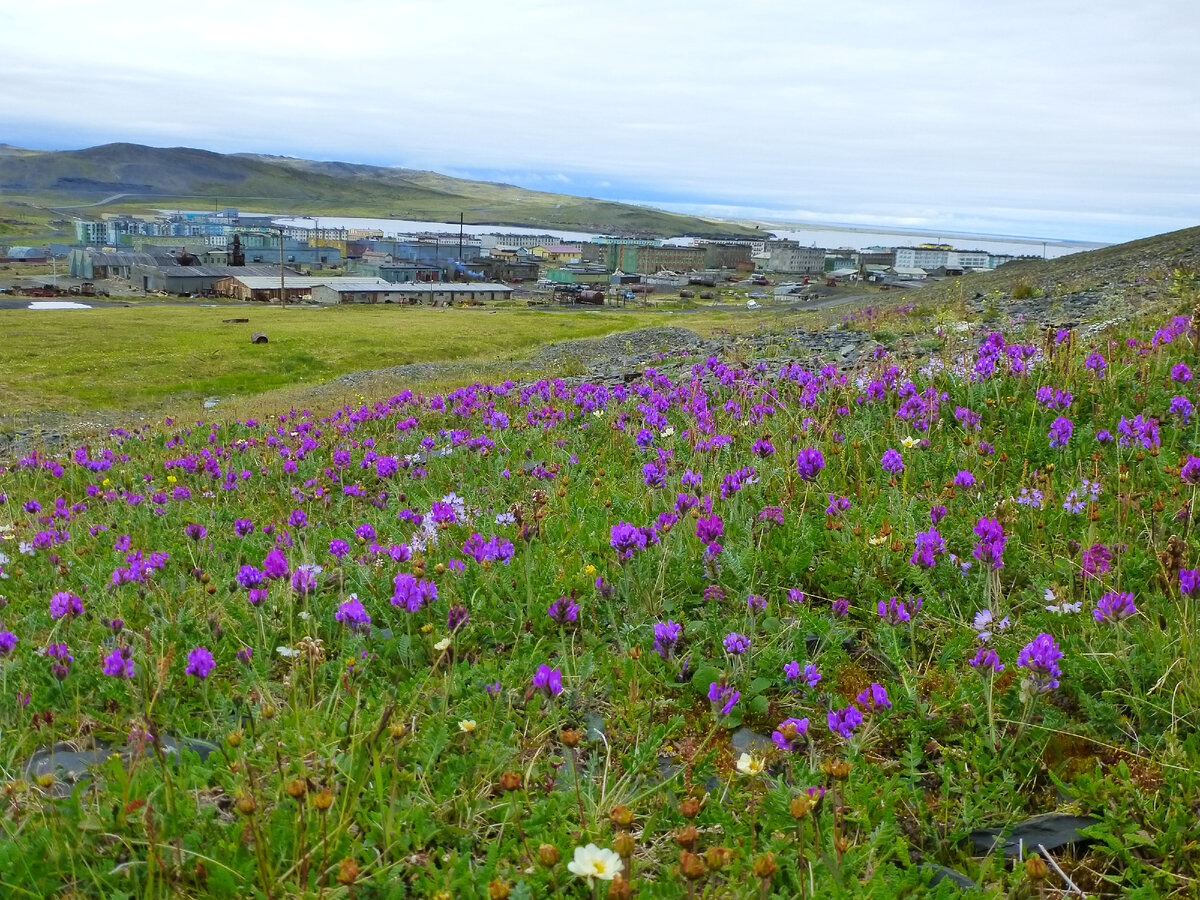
(343, 290)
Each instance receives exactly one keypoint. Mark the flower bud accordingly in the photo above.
(619, 888)
(234, 739)
(689, 808)
(621, 816)
(717, 858)
(323, 799)
(841, 844)
(686, 837)
(800, 806)
(623, 843)
(296, 789)
(838, 769)
(570, 737)
(347, 871)
(246, 805)
(1036, 869)
(548, 855)
(510, 781)
(691, 865)
(499, 890)
(764, 866)
(269, 711)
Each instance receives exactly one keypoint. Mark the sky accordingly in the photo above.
(1041, 118)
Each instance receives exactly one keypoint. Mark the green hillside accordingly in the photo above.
(136, 177)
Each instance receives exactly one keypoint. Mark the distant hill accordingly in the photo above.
(133, 175)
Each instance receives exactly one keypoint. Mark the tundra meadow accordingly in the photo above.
(741, 630)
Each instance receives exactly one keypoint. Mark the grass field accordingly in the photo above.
(166, 358)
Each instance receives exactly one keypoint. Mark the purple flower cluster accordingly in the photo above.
(494, 549)
(928, 544)
(891, 461)
(1040, 658)
(666, 635)
(789, 735)
(548, 680)
(413, 593)
(563, 611)
(200, 662)
(989, 549)
(723, 696)
(735, 643)
(1114, 606)
(896, 611)
(844, 721)
(809, 463)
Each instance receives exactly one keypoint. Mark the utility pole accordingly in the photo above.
(460, 241)
(282, 295)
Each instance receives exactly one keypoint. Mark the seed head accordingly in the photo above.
(548, 855)
(621, 816)
(347, 871)
(1036, 869)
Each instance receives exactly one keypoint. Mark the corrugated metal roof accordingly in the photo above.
(446, 287)
(295, 282)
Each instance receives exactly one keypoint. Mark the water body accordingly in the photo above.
(828, 236)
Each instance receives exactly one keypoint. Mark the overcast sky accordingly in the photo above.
(1036, 117)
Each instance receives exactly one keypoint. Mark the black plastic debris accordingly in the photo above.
(1051, 830)
(942, 873)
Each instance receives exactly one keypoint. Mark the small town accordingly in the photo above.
(229, 254)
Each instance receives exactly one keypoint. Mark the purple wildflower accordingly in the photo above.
(937, 514)
(1040, 657)
(896, 611)
(563, 610)
(1060, 431)
(626, 539)
(304, 579)
(987, 659)
(457, 617)
(1190, 472)
(119, 663)
(666, 635)
(353, 613)
(844, 721)
(874, 697)
(789, 734)
(723, 695)
(841, 606)
(755, 603)
(200, 662)
(891, 461)
(243, 527)
(195, 531)
(989, 549)
(927, 545)
(1189, 582)
(809, 463)
(65, 604)
(1097, 559)
(275, 564)
(735, 643)
(8, 641)
(1114, 606)
(548, 680)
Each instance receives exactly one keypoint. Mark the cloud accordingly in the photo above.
(1049, 116)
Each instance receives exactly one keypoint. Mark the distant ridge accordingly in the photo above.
(138, 176)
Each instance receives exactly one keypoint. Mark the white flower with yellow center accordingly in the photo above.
(443, 644)
(909, 442)
(595, 862)
(466, 726)
(750, 765)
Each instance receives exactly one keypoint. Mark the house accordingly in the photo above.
(337, 290)
(559, 253)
